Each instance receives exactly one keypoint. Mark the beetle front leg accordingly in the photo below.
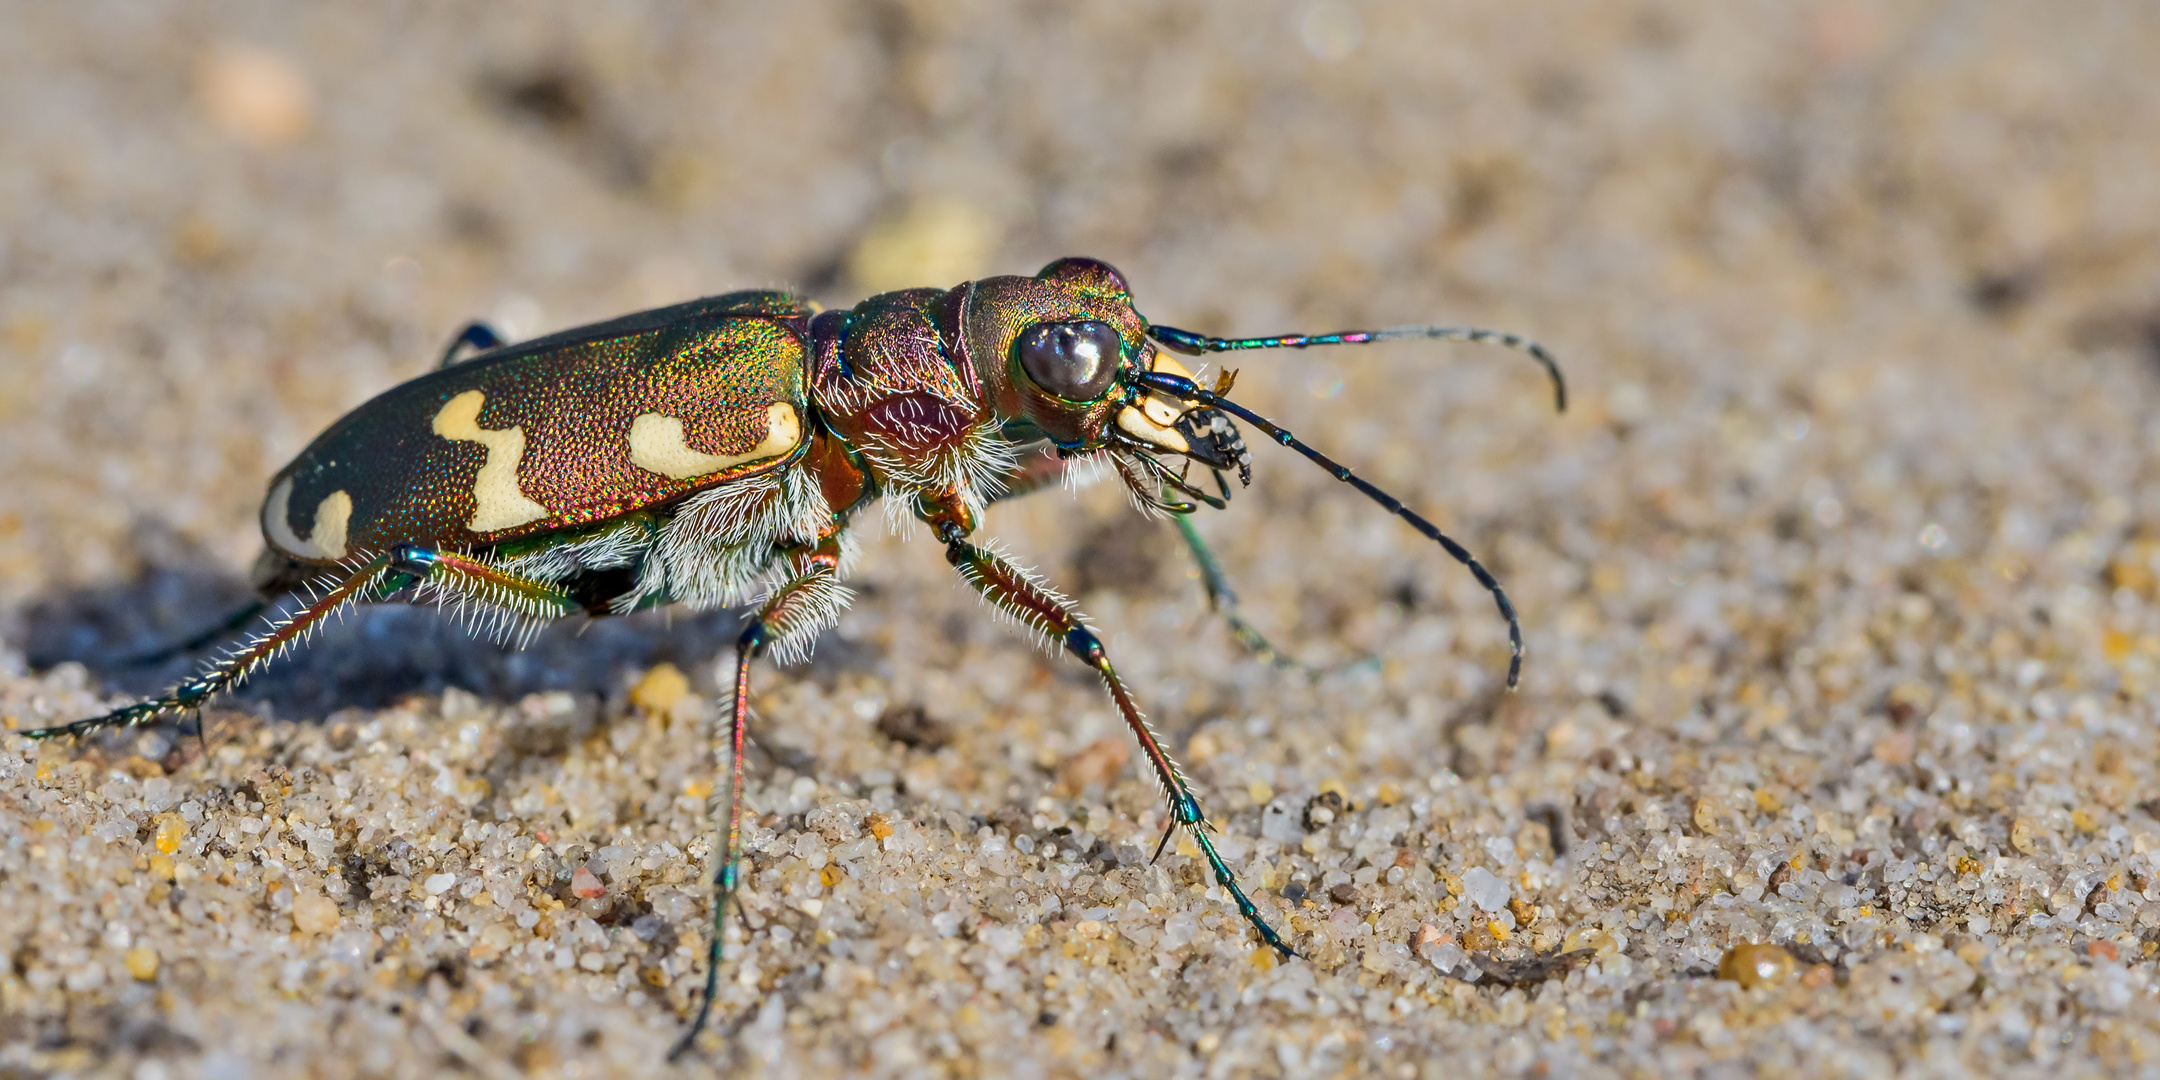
(1017, 593)
(1225, 602)
(785, 624)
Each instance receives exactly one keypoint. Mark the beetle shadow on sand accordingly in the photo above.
(370, 658)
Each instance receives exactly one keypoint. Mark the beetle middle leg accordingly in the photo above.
(1017, 593)
(784, 624)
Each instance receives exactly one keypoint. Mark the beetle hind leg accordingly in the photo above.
(228, 671)
(518, 606)
(490, 600)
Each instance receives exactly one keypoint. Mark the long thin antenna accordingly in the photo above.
(1185, 341)
(1180, 387)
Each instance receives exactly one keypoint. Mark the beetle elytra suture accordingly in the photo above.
(715, 453)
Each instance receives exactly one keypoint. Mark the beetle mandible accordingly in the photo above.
(716, 452)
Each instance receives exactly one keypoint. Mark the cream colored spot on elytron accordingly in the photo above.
(325, 539)
(497, 502)
(656, 444)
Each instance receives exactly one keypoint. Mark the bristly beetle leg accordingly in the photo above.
(376, 580)
(1017, 593)
(798, 608)
(229, 671)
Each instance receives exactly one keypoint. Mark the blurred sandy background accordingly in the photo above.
(1841, 578)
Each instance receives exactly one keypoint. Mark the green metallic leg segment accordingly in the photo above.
(1225, 602)
(795, 607)
(461, 579)
(1016, 592)
(377, 579)
(230, 670)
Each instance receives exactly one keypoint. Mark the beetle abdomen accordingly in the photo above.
(533, 440)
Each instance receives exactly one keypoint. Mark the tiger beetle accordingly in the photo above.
(716, 452)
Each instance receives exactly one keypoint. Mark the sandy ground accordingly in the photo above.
(1841, 579)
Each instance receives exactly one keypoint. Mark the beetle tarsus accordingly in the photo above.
(479, 335)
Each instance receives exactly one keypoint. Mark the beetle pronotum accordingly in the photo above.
(715, 453)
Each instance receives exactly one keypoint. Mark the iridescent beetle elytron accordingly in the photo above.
(717, 451)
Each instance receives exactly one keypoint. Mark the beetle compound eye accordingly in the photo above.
(1074, 360)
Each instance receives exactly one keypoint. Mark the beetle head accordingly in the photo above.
(1062, 351)
(1041, 348)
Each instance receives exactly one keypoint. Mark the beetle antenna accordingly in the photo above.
(1180, 387)
(1191, 344)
